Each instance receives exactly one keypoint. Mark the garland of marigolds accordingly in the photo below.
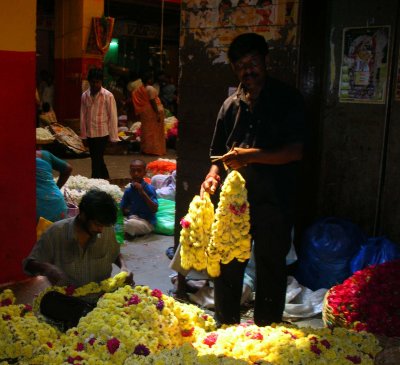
(206, 242)
(105, 286)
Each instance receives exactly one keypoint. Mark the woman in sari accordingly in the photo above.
(150, 111)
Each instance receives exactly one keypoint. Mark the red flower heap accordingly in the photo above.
(370, 299)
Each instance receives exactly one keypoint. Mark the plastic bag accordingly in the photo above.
(376, 250)
(165, 217)
(327, 249)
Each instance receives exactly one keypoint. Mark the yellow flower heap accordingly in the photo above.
(230, 237)
(196, 232)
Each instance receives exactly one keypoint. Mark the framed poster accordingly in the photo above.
(364, 67)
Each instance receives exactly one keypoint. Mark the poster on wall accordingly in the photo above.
(364, 68)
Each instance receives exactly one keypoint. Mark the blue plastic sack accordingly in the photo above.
(327, 249)
(376, 250)
(165, 217)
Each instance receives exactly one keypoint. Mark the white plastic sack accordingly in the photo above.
(302, 302)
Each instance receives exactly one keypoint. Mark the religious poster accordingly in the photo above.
(364, 68)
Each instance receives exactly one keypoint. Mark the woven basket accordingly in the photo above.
(329, 318)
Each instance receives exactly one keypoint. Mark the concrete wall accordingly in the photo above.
(205, 75)
(17, 147)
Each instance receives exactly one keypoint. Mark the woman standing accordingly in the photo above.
(150, 111)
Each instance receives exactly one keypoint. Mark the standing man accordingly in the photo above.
(99, 121)
(260, 132)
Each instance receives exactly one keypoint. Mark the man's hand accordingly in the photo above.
(138, 186)
(54, 274)
(236, 159)
(129, 279)
(210, 184)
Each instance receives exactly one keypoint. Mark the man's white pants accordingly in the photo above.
(136, 226)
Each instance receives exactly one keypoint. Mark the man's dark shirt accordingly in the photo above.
(277, 120)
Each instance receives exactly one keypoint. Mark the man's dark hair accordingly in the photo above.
(138, 161)
(99, 206)
(95, 74)
(245, 44)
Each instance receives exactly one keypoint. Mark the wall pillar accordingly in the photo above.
(17, 147)
(73, 21)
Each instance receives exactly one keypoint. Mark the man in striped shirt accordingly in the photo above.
(99, 121)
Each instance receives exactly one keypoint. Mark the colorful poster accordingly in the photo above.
(364, 69)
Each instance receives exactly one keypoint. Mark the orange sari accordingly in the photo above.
(152, 138)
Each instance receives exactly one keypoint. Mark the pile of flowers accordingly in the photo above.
(249, 344)
(368, 300)
(196, 232)
(77, 186)
(162, 166)
(143, 326)
(230, 237)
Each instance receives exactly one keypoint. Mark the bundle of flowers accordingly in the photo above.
(249, 344)
(230, 237)
(171, 127)
(161, 167)
(77, 186)
(105, 286)
(196, 232)
(368, 300)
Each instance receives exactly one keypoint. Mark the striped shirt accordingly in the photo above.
(58, 246)
(99, 116)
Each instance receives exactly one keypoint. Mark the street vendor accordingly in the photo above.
(260, 132)
(79, 250)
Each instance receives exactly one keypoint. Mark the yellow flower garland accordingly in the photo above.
(195, 233)
(230, 237)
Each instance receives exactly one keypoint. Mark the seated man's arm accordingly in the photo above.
(52, 272)
(120, 262)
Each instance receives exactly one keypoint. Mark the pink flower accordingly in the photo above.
(160, 305)
(354, 359)
(69, 290)
(156, 293)
(211, 339)
(92, 340)
(314, 348)
(133, 300)
(80, 346)
(184, 223)
(187, 333)
(326, 344)
(49, 344)
(5, 302)
(112, 345)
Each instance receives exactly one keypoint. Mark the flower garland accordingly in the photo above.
(369, 300)
(106, 286)
(196, 233)
(230, 237)
(101, 25)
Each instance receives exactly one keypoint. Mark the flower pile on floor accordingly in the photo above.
(369, 299)
(77, 186)
(143, 326)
